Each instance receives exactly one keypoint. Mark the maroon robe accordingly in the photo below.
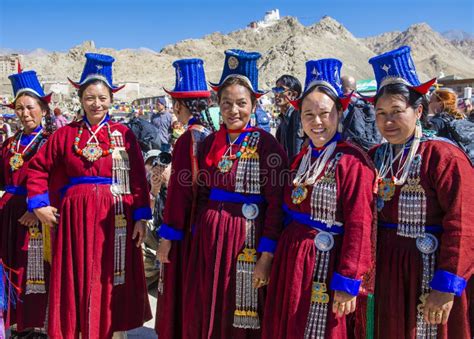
(447, 178)
(30, 309)
(82, 297)
(286, 311)
(219, 237)
(178, 211)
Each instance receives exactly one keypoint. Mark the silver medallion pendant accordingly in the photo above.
(250, 211)
(427, 244)
(116, 189)
(324, 241)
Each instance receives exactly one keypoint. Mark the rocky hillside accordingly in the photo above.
(285, 47)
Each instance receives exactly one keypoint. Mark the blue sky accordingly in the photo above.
(58, 25)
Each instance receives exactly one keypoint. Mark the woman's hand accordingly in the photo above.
(437, 307)
(139, 232)
(163, 251)
(261, 274)
(343, 304)
(46, 215)
(28, 219)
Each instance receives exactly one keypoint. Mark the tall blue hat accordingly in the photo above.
(27, 82)
(243, 65)
(190, 80)
(397, 66)
(327, 73)
(97, 67)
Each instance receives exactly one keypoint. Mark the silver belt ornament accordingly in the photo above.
(250, 211)
(324, 241)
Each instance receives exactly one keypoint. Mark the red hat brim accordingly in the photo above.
(46, 99)
(77, 86)
(188, 95)
(422, 89)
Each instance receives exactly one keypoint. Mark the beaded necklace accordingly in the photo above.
(17, 160)
(93, 151)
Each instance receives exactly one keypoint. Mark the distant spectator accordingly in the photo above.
(262, 118)
(443, 107)
(5, 131)
(289, 133)
(465, 107)
(163, 119)
(60, 119)
(358, 125)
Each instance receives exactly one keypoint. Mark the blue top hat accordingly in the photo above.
(97, 67)
(190, 80)
(27, 82)
(243, 65)
(324, 72)
(327, 73)
(397, 66)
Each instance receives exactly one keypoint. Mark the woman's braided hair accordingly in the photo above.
(196, 106)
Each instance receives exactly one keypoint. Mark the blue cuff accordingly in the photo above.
(169, 233)
(38, 201)
(344, 284)
(142, 213)
(445, 281)
(266, 245)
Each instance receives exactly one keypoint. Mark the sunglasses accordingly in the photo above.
(279, 90)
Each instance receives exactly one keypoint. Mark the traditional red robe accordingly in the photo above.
(448, 180)
(83, 298)
(30, 309)
(352, 257)
(219, 237)
(179, 207)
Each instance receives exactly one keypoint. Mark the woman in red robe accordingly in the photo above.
(190, 101)
(239, 215)
(326, 249)
(23, 241)
(97, 280)
(425, 239)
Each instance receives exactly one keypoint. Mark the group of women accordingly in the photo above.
(336, 243)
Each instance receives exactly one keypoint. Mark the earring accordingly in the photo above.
(340, 127)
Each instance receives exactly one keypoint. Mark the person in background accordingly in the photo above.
(5, 130)
(60, 119)
(358, 125)
(443, 108)
(289, 133)
(163, 119)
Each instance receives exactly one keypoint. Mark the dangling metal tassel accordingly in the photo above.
(160, 279)
(317, 315)
(35, 282)
(120, 166)
(412, 204)
(246, 296)
(427, 245)
(120, 242)
(241, 173)
(324, 195)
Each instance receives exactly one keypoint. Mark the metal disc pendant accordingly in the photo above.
(16, 161)
(116, 189)
(298, 194)
(225, 165)
(427, 244)
(92, 152)
(324, 241)
(250, 211)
